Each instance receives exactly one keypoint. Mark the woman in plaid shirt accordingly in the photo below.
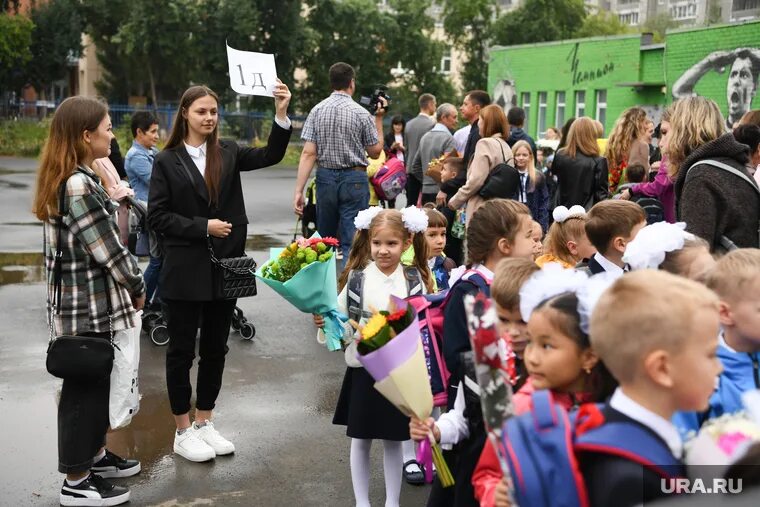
(96, 269)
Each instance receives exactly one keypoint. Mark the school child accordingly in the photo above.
(537, 236)
(735, 278)
(558, 357)
(453, 167)
(533, 191)
(610, 227)
(669, 247)
(634, 175)
(500, 228)
(381, 237)
(567, 243)
(435, 236)
(656, 334)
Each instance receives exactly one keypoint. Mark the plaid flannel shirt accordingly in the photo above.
(341, 129)
(95, 264)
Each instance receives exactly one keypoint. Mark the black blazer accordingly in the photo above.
(179, 211)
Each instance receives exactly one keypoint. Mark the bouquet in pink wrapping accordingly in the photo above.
(390, 349)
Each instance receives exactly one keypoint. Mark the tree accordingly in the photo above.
(15, 42)
(539, 21)
(601, 23)
(658, 25)
(469, 24)
(56, 42)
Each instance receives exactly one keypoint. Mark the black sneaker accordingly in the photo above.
(112, 466)
(94, 491)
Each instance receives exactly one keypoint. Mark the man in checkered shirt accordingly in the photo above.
(338, 135)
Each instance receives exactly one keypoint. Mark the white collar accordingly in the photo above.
(722, 343)
(607, 264)
(196, 152)
(399, 273)
(487, 273)
(440, 127)
(662, 427)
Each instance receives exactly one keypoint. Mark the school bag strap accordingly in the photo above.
(413, 279)
(355, 291)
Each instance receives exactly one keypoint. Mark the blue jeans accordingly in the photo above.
(341, 194)
(151, 278)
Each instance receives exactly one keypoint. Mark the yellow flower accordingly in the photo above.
(373, 326)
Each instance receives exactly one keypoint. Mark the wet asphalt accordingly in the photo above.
(276, 403)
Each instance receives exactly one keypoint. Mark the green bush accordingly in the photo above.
(23, 138)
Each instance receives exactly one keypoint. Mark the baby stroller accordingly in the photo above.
(142, 242)
(308, 220)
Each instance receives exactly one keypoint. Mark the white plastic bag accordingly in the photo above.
(124, 401)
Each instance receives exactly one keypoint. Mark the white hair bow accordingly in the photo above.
(364, 217)
(648, 248)
(561, 213)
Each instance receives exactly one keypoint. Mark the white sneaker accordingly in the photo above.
(192, 448)
(210, 436)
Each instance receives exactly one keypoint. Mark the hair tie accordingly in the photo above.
(364, 217)
(653, 242)
(561, 213)
(415, 220)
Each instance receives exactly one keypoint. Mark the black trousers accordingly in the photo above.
(413, 189)
(183, 319)
(82, 421)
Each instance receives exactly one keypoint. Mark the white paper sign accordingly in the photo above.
(252, 73)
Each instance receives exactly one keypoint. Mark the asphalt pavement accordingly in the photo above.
(276, 403)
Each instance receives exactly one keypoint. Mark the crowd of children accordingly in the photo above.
(644, 352)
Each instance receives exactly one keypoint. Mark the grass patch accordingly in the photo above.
(21, 138)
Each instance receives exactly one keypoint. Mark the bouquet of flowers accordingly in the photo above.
(390, 349)
(435, 166)
(720, 442)
(304, 274)
(495, 371)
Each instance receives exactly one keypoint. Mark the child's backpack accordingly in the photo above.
(309, 216)
(390, 180)
(652, 206)
(541, 448)
(430, 309)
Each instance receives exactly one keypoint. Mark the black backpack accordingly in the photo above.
(652, 206)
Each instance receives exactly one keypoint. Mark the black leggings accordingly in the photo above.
(82, 421)
(183, 320)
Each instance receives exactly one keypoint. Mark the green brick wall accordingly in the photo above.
(614, 64)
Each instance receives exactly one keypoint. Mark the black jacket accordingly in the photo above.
(388, 140)
(179, 211)
(581, 180)
(714, 202)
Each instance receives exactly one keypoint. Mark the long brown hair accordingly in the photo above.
(494, 121)
(361, 249)
(694, 121)
(582, 138)
(627, 129)
(213, 172)
(65, 149)
(495, 219)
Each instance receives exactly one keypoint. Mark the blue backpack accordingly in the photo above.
(542, 446)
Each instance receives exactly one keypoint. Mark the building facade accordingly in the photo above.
(600, 77)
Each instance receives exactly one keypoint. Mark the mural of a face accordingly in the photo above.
(504, 94)
(741, 87)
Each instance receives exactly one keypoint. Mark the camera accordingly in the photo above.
(372, 103)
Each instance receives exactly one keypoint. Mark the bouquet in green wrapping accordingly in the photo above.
(297, 256)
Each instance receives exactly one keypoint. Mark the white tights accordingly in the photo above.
(392, 461)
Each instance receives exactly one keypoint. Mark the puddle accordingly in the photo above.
(21, 267)
(263, 242)
(23, 224)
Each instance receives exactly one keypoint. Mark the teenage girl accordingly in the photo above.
(376, 251)
(533, 191)
(500, 228)
(567, 243)
(558, 357)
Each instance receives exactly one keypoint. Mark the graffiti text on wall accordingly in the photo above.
(586, 74)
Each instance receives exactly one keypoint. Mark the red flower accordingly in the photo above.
(398, 315)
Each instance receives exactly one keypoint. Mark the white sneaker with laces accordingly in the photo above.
(192, 448)
(208, 434)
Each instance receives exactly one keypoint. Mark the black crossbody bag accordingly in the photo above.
(235, 277)
(502, 182)
(72, 357)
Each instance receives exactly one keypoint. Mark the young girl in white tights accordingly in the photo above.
(381, 237)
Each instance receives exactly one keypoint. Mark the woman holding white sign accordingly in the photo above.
(195, 205)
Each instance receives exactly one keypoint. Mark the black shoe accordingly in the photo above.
(93, 492)
(416, 477)
(112, 466)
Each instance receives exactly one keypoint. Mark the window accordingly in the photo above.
(541, 113)
(683, 10)
(525, 99)
(446, 61)
(580, 103)
(601, 106)
(629, 18)
(559, 117)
